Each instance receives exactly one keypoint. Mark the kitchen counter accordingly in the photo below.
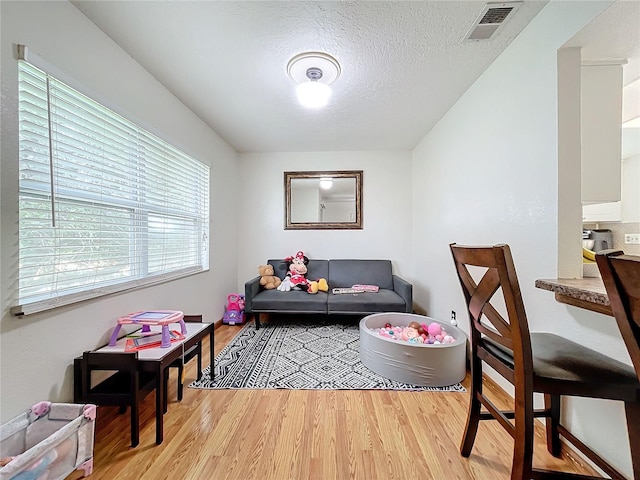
(587, 293)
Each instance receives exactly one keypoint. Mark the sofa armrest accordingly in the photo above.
(251, 289)
(405, 290)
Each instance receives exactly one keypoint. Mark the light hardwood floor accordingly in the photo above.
(307, 434)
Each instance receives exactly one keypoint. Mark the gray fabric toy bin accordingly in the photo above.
(48, 441)
(412, 363)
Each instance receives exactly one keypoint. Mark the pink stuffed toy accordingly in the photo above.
(296, 278)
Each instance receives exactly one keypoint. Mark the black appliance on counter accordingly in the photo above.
(602, 238)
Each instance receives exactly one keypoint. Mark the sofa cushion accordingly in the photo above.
(347, 272)
(316, 269)
(292, 301)
(381, 301)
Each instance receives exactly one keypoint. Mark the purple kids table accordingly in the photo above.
(146, 318)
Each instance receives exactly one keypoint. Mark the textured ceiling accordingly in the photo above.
(404, 64)
(614, 34)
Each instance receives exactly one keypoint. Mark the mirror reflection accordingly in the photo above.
(323, 200)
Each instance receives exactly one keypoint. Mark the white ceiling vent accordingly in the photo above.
(492, 17)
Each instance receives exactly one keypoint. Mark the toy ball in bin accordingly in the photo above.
(234, 310)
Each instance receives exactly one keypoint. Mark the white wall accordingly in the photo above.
(305, 204)
(631, 189)
(386, 200)
(339, 211)
(37, 351)
(488, 173)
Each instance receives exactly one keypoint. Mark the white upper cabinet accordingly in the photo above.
(601, 113)
(602, 212)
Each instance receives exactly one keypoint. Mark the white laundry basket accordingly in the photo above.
(48, 442)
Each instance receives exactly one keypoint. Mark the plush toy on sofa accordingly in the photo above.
(296, 278)
(267, 278)
(319, 285)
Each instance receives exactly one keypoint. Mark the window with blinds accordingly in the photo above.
(104, 205)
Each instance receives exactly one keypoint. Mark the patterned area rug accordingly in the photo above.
(311, 354)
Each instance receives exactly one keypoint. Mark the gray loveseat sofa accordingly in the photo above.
(395, 294)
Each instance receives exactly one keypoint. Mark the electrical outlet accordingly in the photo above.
(632, 238)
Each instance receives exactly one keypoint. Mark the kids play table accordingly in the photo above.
(154, 360)
(148, 318)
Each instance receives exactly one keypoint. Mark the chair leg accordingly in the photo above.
(256, 317)
(180, 371)
(632, 411)
(552, 422)
(523, 441)
(165, 393)
(473, 415)
(135, 423)
(200, 361)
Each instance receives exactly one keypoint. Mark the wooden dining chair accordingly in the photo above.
(127, 387)
(185, 357)
(532, 362)
(621, 277)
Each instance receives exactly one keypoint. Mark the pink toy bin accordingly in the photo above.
(48, 442)
(412, 363)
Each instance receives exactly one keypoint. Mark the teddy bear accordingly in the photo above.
(267, 278)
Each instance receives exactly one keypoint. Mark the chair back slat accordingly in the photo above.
(111, 361)
(477, 296)
(487, 292)
(621, 277)
(483, 292)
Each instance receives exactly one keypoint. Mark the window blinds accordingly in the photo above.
(104, 204)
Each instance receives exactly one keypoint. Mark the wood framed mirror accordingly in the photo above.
(323, 200)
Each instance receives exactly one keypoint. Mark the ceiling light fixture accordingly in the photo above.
(326, 183)
(313, 72)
